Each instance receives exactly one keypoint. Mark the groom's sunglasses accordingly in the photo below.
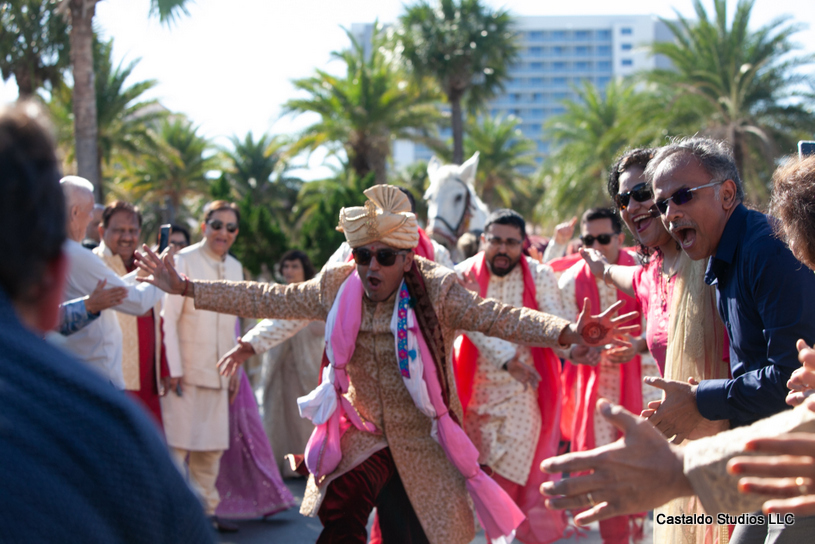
(385, 257)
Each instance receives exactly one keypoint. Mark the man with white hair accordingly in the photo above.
(100, 343)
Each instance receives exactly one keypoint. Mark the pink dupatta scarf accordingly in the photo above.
(332, 413)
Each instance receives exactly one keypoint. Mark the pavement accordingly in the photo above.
(290, 527)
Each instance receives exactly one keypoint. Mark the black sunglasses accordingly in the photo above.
(604, 239)
(385, 257)
(641, 192)
(682, 196)
(217, 224)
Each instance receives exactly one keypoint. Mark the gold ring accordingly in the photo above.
(803, 489)
(591, 499)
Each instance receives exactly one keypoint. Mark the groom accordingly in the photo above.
(387, 412)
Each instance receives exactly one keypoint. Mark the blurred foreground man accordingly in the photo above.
(80, 462)
(387, 413)
(196, 411)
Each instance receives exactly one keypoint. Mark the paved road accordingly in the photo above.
(290, 527)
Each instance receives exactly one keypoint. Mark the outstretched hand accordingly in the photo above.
(102, 299)
(235, 357)
(564, 231)
(160, 270)
(598, 330)
(595, 260)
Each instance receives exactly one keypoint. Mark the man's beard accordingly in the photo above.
(502, 271)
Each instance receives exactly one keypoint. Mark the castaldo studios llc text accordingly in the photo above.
(725, 519)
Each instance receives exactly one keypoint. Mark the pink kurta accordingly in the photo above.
(655, 294)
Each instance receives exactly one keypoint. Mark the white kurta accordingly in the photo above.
(608, 386)
(503, 418)
(195, 340)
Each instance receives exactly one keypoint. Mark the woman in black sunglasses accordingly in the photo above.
(683, 330)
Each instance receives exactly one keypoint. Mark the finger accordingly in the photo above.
(622, 318)
(679, 438)
(602, 511)
(618, 416)
(798, 506)
(654, 404)
(692, 381)
(647, 413)
(801, 345)
(775, 487)
(572, 462)
(613, 308)
(572, 487)
(573, 221)
(787, 444)
(653, 381)
(776, 466)
(576, 502)
(795, 398)
(586, 307)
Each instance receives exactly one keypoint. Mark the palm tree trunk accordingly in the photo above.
(457, 123)
(85, 122)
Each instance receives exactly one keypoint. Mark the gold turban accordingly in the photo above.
(385, 217)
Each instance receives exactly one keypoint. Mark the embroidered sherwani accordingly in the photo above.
(503, 418)
(435, 488)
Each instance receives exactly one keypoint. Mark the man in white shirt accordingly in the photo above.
(100, 343)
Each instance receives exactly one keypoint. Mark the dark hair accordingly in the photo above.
(297, 255)
(468, 244)
(178, 228)
(410, 196)
(793, 204)
(715, 156)
(633, 157)
(604, 213)
(119, 206)
(505, 216)
(217, 206)
(33, 205)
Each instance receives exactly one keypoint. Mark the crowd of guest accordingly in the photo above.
(132, 420)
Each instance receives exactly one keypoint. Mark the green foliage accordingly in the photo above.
(465, 46)
(414, 178)
(318, 207)
(363, 112)
(174, 175)
(124, 117)
(741, 85)
(34, 45)
(257, 169)
(587, 137)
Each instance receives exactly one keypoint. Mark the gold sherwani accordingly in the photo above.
(377, 391)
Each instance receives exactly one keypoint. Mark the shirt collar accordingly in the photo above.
(728, 244)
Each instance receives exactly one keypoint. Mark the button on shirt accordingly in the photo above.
(766, 299)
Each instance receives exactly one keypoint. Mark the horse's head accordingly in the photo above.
(451, 200)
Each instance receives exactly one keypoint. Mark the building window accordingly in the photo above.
(603, 35)
(559, 34)
(626, 31)
(516, 97)
(626, 47)
(535, 35)
(536, 65)
(582, 65)
(604, 65)
(628, 62)
(582, 50)
(602, 81)
(559, 50)
(535, 127)
(603, 49)
(536, 81)
(536, 51)
(516, 113)
(582, 34)
(536, 97)
(537, 112)
(559, 80)
(559, 65)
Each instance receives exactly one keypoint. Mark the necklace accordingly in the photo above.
(662, 283)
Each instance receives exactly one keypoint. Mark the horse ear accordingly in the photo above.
(433, 165)
(467, 170)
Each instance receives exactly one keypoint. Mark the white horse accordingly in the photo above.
(453, 208)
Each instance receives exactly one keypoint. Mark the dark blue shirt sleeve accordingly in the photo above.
(780, 289)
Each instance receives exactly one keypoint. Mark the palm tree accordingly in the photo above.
(175, 174)
(587, 137)
(125, 118)
(33, 44)
(363, 112)
(81, 13)
(466, 47)
(744, 85)
(505, 162)
(256, 169)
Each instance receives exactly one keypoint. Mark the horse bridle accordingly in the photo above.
(467, 203)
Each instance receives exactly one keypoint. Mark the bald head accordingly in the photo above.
(79, 205)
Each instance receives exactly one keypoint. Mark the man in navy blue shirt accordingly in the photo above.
(80, 462)
(766, 297)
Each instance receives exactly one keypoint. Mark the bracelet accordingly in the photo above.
(606, 272)
(186, 285)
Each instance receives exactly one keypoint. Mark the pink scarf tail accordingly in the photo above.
(497, 512)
